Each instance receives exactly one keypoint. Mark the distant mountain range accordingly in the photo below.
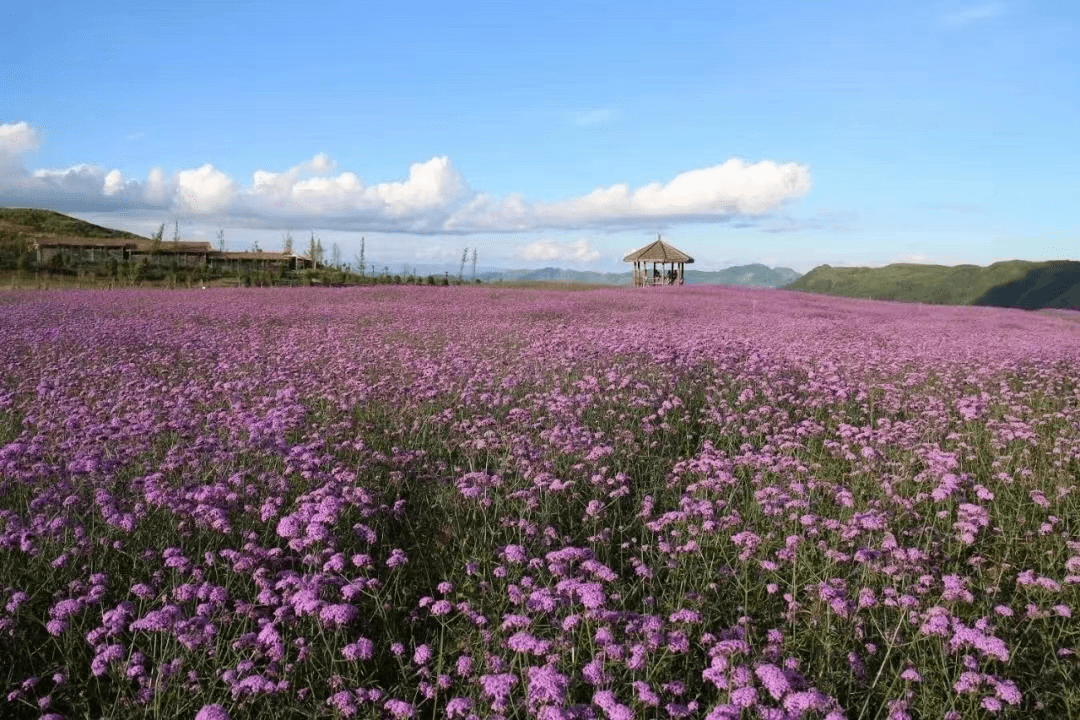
(754, 275)
(1012, 283)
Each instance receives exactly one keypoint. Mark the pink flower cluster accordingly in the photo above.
(477, 502)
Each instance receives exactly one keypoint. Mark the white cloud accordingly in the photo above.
(322, 163)
(83, 187)
(729, 189)
(82, 178)
(419, 202)
(158, 189)
(916, 258)
(598, 116)
(432, 198)
(17, 138)
(114, 183)
(972, 14)
(204, 191)
(436, 253)
(543, 250)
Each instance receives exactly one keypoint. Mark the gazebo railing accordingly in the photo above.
(646, 278)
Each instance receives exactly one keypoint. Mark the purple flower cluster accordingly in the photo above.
(474, 502)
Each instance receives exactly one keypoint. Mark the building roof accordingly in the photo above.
(66, 241)
(172, 246)
(136, 244)
(261, 255)
(659, 251)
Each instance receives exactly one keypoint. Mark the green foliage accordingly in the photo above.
(1054, 284)
(146, 271)
(47, 221)
(932, 284)
(155, 239)
(14, 247)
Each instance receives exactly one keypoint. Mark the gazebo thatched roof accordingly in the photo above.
(659, 251)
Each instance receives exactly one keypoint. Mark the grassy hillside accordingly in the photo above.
(37, 222)
(1047, 285)
(934, 284)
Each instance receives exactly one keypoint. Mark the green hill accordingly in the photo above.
(932, 284)
(37, 222)
(1053, 284)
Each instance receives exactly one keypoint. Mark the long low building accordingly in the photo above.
(189, 254)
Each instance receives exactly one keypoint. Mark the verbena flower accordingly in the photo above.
(612, 708)
(400, 709)
(362, 649)
(422, 654)
(773, 678)
(213, 711)
(546, 686)
(497, 687)
(458, 707)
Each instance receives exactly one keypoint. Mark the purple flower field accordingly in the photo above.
(466, 502)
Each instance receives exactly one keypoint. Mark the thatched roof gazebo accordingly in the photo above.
(662, 254)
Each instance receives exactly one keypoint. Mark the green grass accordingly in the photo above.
(932, 284)
(48, 221)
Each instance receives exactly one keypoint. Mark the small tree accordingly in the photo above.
(313, 251)
(335, 255)
(286, 243)
(474, 263)
(155, 239)
(255, 247)
(221, 239)
(461, 270)
(176, 243)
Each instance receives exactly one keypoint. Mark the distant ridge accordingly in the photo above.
(1012, 283)
(755, 275)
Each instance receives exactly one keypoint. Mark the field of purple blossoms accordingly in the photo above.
(471, 502)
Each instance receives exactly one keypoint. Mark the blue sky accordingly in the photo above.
(565, 133)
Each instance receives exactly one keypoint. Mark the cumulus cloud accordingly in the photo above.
(157, 189)
(204, 191)
(432, 198)
(78, 187)
(17, 138)
(420, 202)
(544, 250)
(730, 189)
(114, 183)
(78, 179)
